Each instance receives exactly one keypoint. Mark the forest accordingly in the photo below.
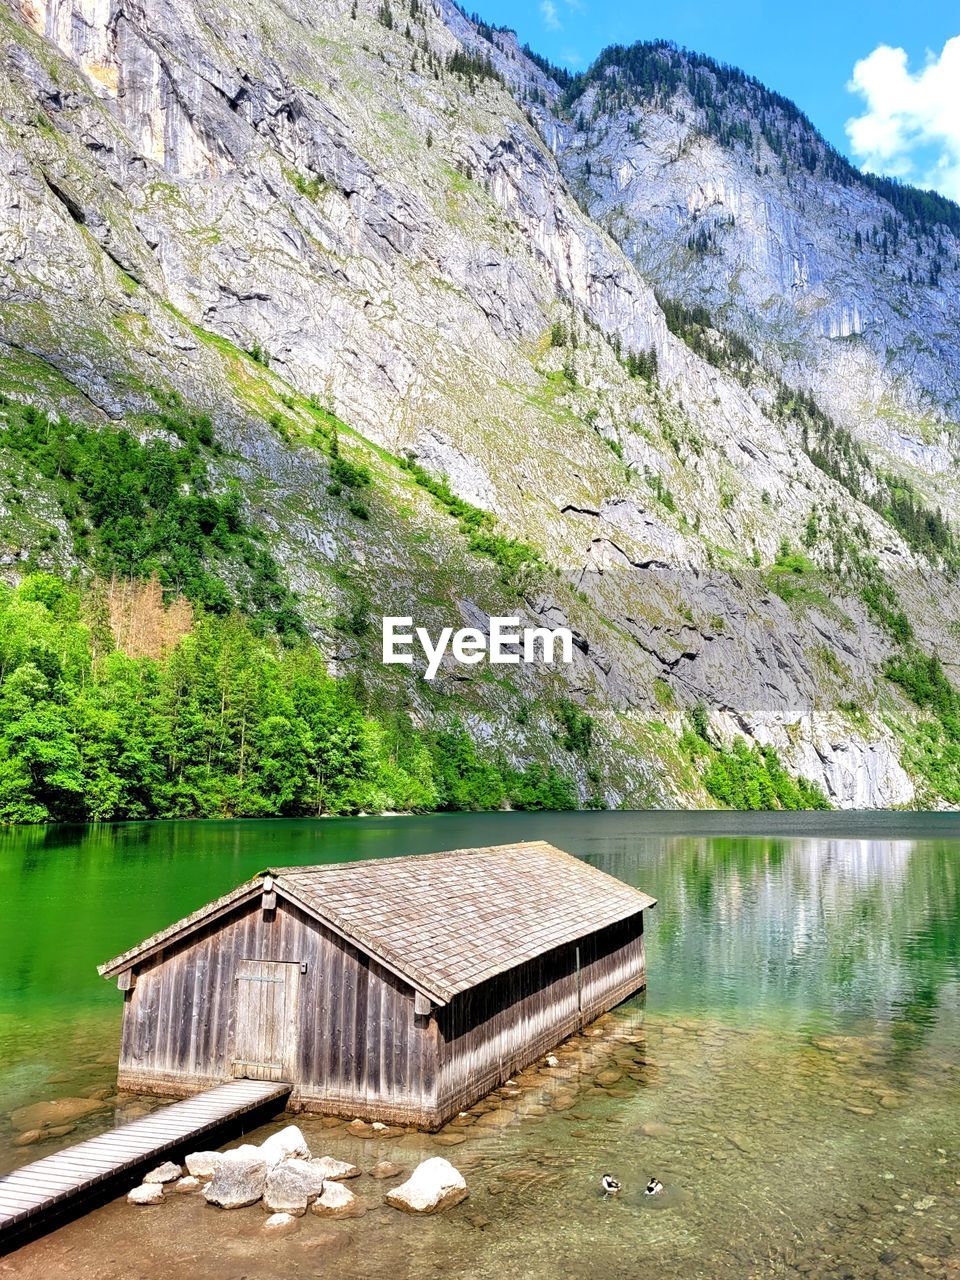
(115, 704)
(172, 675)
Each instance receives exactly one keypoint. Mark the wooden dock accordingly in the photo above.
(32, 1197)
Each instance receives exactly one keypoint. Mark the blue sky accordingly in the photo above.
(909, 101)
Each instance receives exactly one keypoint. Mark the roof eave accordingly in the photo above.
(240, 896)
(180, 929)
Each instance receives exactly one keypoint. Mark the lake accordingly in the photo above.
(791, 1073)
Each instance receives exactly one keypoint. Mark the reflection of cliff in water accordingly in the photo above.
(789, 927)
(825, 928)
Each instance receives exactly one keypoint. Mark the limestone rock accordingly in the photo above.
(239, 1180)
(166, 1172)
(433, 1186)
(386, 1169)
(309, 1171)
(289, 1189)
(245, 1149)
(146, 1193)
(284, 1144)
(331, 1170)
(186, 1184)
(280, 1224)
(781, 269)
(337, 1201)
(203, 1164)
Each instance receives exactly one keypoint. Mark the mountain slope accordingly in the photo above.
(725, 195)
(342, 233)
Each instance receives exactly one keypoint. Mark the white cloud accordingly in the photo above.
(551, 18)
(911, 127)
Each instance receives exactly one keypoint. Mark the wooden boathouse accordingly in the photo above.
(399, 989)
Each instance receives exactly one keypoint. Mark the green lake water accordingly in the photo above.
(792, 1073)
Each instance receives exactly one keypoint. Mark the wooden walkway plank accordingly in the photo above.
(47, 1185)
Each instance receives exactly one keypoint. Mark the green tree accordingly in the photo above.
(42, 777)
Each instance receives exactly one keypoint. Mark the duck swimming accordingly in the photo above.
(654, 1187)
(610, 1185)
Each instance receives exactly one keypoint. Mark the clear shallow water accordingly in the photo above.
(792, 1073)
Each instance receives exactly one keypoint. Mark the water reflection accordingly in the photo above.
(765, 926)
(803, 1012)
(816, 932)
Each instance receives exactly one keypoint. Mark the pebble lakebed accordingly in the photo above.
(782, 1154)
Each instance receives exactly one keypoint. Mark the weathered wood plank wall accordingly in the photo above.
(359, 1043)
(360, 1046)
(499, 1027)
(612, 965)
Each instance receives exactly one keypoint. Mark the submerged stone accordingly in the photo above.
(42, 1115)
(59, 1130)
(147, 1193)
(433, 1186)
(166, 1172)
(280, 1224)
(239, 1180)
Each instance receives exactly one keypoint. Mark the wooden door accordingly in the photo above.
(266, 1014)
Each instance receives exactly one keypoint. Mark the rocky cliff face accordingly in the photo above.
(724, 195)
(390, 213)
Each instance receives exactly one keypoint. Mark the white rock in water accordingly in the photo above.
(552, 1060)
(239, 1179)
(330, 1170)
(280, 1224)
(203, 1164)
(310, 1172)
(337, 1201)
(287, 1143)
(246, 1149)
(166, 1172)
(146, 1193)
(289, 1188)
(186, 1184)
(433, 1186)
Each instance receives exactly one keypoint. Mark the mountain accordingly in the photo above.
(407, 322)
(725, 196)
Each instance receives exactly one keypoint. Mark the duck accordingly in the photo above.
(654, 1187)
(610, 1186)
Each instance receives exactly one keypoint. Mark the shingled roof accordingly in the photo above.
(443, 921)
